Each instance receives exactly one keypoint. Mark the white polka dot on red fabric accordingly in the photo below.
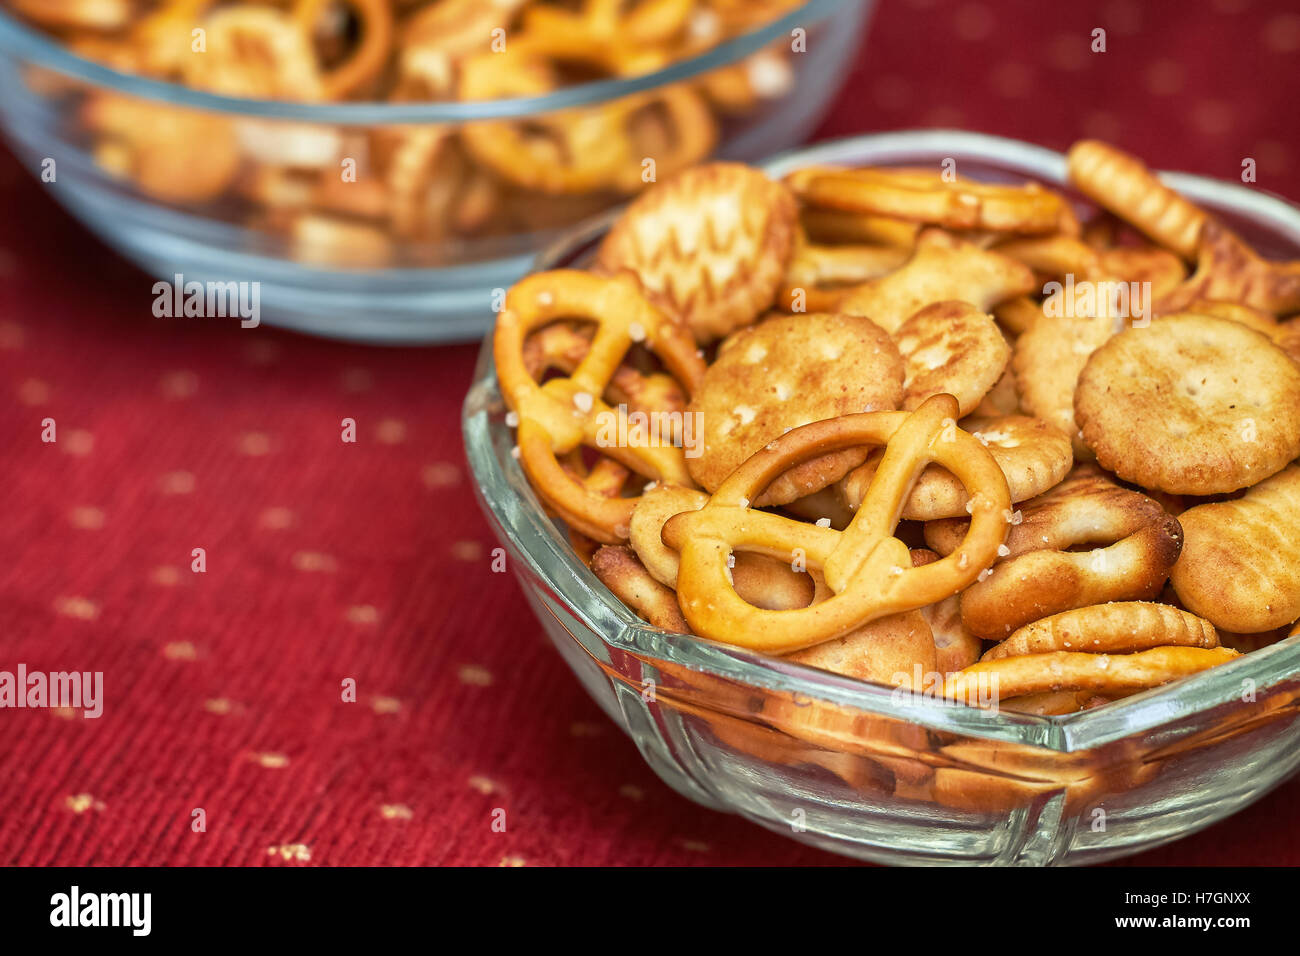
(362, 614)
(631, 791)
(177, 483)
(1012, 79)
(86, 518)
(1101, 124)
(441, 474)
(973, 21)
(1122, 16)
(261, 352)
(474, 675)
(357, 380)
(390, 431)
(1164, 77)
(1069, 51)
(166, 575)
(1213, 117)
(1282, 33)
(33, 391)
(943, 116)
(467, 550)
(891, 92)
(180, 384)
(1272, 156)
(78, 442)
(254, 444)
(277, 519)
(180, 651)
(11, 335)
(314, 561)
(1230, 7)
(81, 608)
(483, 785)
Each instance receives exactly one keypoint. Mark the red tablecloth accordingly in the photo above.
(327, 561)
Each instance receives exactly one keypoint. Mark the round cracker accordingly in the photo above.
(1033, 454)
(1191, 405)
(950, 347)
(711, 245)
(785, 372)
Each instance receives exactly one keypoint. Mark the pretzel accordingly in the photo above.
(1135, 543)
(1070, 670)
(564, 413)
(171, 153)
(369, 57)
(1033, 455)
(1228, 269)
(832, 225)
(79, 14)
(1124, 185)
(762, 581)
(257, 53)
(1121, 627)
(576, 150)
(868, 573)
(926, 197)
(941, 268)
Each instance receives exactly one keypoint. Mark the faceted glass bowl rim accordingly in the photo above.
(550, 557)
(28, 43)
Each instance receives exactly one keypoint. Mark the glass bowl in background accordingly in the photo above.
(227, 194)
(878, 773)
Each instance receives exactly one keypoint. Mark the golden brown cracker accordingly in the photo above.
(1190, 405)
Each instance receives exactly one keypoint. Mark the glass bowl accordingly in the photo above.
(879, 773)
(236, 190)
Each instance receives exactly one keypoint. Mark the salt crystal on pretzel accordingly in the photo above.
(551, 425)
(1033, 455)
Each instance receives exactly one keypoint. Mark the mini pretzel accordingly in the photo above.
(867, 571)
(560, 415)
(369, 57)
(927, 197)
(1069, 670)
(1135, 543)
(1124, 185)
(1122, 627)
(1228, 269)
(942, 268)
(1033, 455)
(761, 580)
(79, 14)
(258, 53)
(171, 153)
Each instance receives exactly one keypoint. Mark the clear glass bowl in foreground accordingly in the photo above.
(873, 772)
(238, 191)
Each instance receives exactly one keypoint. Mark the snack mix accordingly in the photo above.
(913, 428)
(416, 194)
